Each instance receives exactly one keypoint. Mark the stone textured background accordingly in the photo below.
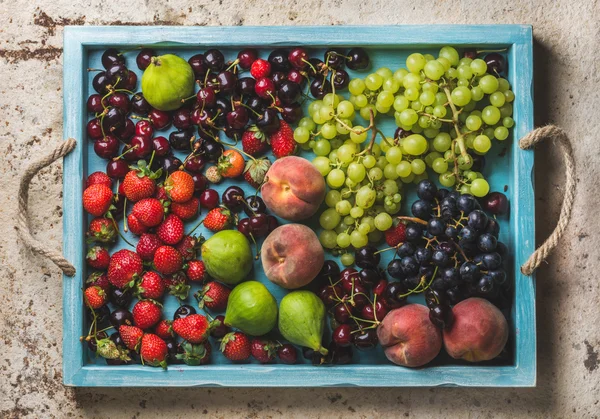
(567, 77)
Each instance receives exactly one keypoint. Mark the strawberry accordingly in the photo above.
(146, 313)
(135, 225)
(98, 257)
(263, 350)
(231, 164)
(139, 183)
(260, 68)
(217, 219)
(195, 354)
(124, 267)
(102, 230)
(254, 141)
(236, 346)
(395, 235)
(282, 141)
(170, 231)
(214, 296)
(150, 286)
(255, 171)
(161, 194)
(189, 247)
(153, 351)
(149, 211)
(186, 210)
(99, 279)
(196, 271)
(95, 297)
(193, 328)
(179, 186)
(167, 260)
(164, 329)
(97, 199)
(212, 174)
(99, 178)
(147, 245)
(131, 336)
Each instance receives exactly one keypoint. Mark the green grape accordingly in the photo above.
(465, 190)
(305, 147)
(434, 69)
(440, 165)
(463, 82)
(473, 122)
(375, 173)
(462, 163)
(385, 98)
(506, 110)
(399, 74)
(464, 72)
(332, 198)
(322, 165)
(381, 162)
(489, 132)
(329, 219)
(418, 166)
(449, 155)
(503, 85)
(424, 121)
(341, 228)
(347, 259)
(416, 106)
(342, 125)
(382, 109)
(365, 197)
(480, 188)
(400, 103)
(397, 198)
(479, 67)
(364, 228)
(488, 83)
(375, 236)
(470, 175)
(389, 172)
(373, 81)
(404, 169)
(326, 112)
(445, 62)
(370, 221)
(440, 111)
(345, 153)
(348, 220)
(450, 54)
(482, 144)
(391, 85)
(365, 112)
(477, 94)
(318, 119)
(428, 57)
(465, 61)
(314, 107)
(391, 207)
(411, 93)
(350, 183)
(356, 86)
(508, 122)
(343, 240)
(301, 135)
(386, 145)
(328, 130)
(390, 187)
(415, 62)
(411, 80)
(357, 239)
(380, 196)
(307, 123)
(345, 109)
(343, 207)
(331, 100)
(383, 221)
(509, 95)
(440, 99)
(433, 130)
(408, 117)
(328, 239)
(501, 133)
(336, 178)
(427, 97)
(419, 178)
(356, 171)
(393, 155)
(497, 99)
(408, 179)
(430, 158)
(335, 144)
(415, 144)
(384, 72)
(461, 95)
(376, 150)
(361, 101)
(322, 147)
(442, 142)
(358, 134)
(491, 115)
(369, 161)
(357, 212)
(451, 73)
(447, 179)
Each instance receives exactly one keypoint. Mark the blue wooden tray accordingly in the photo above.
(388, 46)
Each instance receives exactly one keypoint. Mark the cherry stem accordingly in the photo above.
(129, 150)
(195, 227)
(110, 216)
(125, 215)
(248, 107)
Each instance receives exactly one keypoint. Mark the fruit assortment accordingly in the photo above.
(242, 123)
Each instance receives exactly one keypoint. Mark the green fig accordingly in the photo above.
(167, 81)
(301, 319)
(227, 256)
(251, 308)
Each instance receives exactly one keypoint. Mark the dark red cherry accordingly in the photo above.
(195, 164)
(160, 119)
(126, 132)
(94, 129)
(246, 57)
(161, 146)
(144, 58)
(198, 66)
(107, 147)
(144, 128)
(94, 103)
(181, 118)
(298, 58)
(117, 169)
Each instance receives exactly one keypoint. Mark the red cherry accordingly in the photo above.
(379, 289)
(287, 354)
(94, 129)
(117, 169)
(496, 203)
(181, 118)
(142, 145)
(200, 182)
(296, 76)
(107, 147)
(342, 335)
(246, 57)
(209, 199)
(244, 227)
(94, 104)
(161, 146)
(126, 132)
(130, 82)
(120, 100)
(273, 223)
(160, 119)
(298, 58)
(264, 87)
(341, 313)
(259, 224)
(195, 164)
(380, 310)
(144, 128)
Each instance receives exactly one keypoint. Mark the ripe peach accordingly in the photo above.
(292, 256)
(294, 189)
(479, 331)
(409, 337)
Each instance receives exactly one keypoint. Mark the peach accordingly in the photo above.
(408, 336)
(292, 256)
(294, 188)
(479, 331)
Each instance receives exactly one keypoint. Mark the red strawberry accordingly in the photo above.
(196, 271)
(254, 142)
(282, 141)
(395, 235)
(131, 336)
(135, 225)
(164, 329)
(97, 199)
(139, 183)
(195, 354)
(95, 297)
(186, 210)
(146, 313)
(260, 68)
(189, 246)
(170, 231)
(193, 328)
(102, 230)
(98, 257)
(153, 351)
(149, 211)
(214, 296)
(147, 245)
(99, 178)
(161, 194)
(167, 260)
(180, 186)
(263, 350)
(124, 267)
(151, 286)
(236, 346)
(217, 219)
(255, 171)
(99, 279)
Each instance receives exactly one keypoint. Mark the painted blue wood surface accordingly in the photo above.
(388, 46)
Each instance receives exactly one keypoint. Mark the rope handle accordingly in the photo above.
(22, 221)
(557, 134)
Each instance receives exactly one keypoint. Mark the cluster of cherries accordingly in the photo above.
(258, 223)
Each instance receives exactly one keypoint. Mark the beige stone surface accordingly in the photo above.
(567, 78)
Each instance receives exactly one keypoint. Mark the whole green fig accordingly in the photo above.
(227, 256)
(251, 308)
(167, 81)
(301, 319)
